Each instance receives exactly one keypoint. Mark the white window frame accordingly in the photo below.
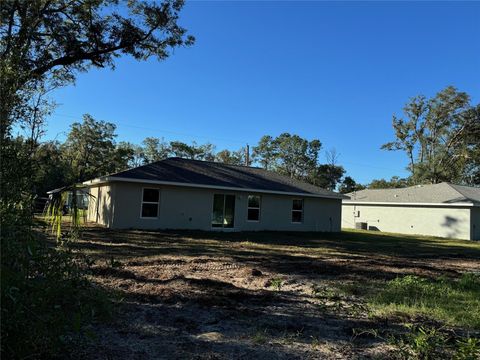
(300, 211)
(149, 202)
(255, 208)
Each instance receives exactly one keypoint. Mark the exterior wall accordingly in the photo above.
(101, 205)
(191, 208)
(448, 222)
(475, 223)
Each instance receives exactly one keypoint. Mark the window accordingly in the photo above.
(223, 210)
(297, 211)
(253, 208)
(150, 199)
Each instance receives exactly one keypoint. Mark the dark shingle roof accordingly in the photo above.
(212, 174)
(445, 193)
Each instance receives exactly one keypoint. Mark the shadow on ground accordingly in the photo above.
(252, 295)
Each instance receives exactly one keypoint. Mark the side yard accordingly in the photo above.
(283, 295)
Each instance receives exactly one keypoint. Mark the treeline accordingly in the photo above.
(440, 136)
(91, 150)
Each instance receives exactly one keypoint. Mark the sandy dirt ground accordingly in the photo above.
(186, 295)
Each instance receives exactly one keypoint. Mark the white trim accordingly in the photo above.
(255, 208)
(149, 202)
(353, 202)
(107, 179)
(301, 211)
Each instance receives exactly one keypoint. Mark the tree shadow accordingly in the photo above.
(179, 293)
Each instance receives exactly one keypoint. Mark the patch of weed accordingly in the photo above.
(467, 349)
(453, 301)
(260, 337)
(276, 284)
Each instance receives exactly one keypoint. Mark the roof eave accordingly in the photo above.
(383, 203)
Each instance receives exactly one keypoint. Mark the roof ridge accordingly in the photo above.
(214, 162)
(183, 159)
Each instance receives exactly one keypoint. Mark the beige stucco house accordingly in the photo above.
(444, 210)
(189, 194)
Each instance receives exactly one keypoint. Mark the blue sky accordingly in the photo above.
(332, 71)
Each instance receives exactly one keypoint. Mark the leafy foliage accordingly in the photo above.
(441, 137)
(327, 176)
(349, 184)
(46, 298)
(88, 148)
(50, 41)
(231, 157)
(43, 45)
(266, 152)
(394, 183)
(193, 151)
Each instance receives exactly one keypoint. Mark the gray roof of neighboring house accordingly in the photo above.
(445, 193)
(198, 173)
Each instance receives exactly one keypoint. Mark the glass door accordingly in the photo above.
(223, 214)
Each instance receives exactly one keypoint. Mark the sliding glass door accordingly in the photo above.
(223, 211)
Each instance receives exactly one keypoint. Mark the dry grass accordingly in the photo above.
(259, 295)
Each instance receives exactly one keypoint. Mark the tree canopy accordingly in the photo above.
(50, 41)
(441, 137)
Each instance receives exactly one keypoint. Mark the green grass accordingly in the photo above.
(452, 301)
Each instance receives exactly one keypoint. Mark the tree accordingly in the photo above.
(50, 168)
(349, 185)
(265, 152)
(44, 44)
(134, 153)
(50, 41)
(89, 149)
(296, 157)
(32, 116)
(394, 183)
(438, 135)
(155, 149)
(193, 151)
(231, 157)
(327, 176)
(124, 156)
(204, 152)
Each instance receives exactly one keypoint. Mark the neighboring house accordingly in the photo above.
(189, 194)
(443, 210)
(82, 198)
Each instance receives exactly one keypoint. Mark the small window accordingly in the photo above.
(297, 211)
(253, 208)
(150, 199)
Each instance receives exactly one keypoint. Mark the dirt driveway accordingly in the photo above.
(254, 295)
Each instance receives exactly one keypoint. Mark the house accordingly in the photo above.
(81, 198)
(444, 210)
(178, 193)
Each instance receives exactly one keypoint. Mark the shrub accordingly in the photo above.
(45, 297)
